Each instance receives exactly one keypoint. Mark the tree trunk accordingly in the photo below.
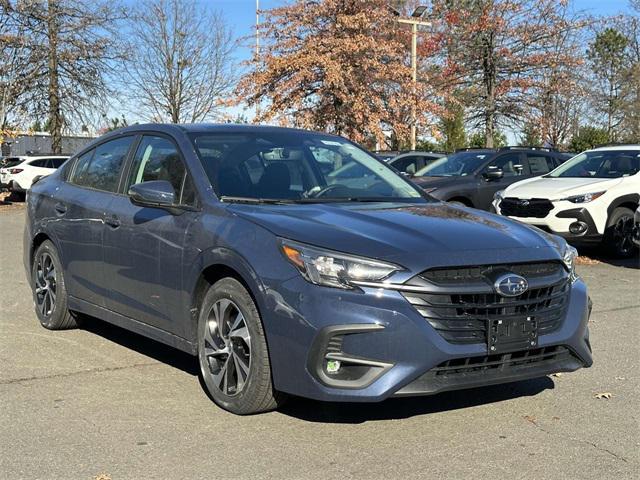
(489, 80)
(55, 115)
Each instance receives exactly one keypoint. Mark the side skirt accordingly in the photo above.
(135, 326)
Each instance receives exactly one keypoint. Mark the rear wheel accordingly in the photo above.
(49, 290)
(618, 236)
(232, 351)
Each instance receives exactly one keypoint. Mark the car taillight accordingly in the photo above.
(13, 171)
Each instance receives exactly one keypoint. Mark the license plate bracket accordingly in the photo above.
(511, 334)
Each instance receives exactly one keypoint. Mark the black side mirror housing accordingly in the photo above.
(493, 174)
(155, 193)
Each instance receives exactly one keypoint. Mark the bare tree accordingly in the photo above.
(557, 98)
(181, 63)
(497, 49)
(69, 45)
(16, 69)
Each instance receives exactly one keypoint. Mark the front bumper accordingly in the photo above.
(560, 220)
(406, 354)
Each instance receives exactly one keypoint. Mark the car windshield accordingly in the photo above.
(600, 164)
(456, 164)
(296, 167)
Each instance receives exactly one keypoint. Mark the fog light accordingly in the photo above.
(578, 227)
(333, 366)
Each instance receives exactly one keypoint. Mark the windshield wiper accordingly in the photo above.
(346, 199)
(253, 200)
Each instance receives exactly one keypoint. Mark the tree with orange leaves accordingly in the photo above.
(340, 66)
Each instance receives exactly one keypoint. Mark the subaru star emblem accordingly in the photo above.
(511, 285)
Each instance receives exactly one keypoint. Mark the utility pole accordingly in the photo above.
(257, 49)
(414, 21)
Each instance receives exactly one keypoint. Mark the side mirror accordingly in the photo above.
(493, 174)
(155, 193)
(411, 170)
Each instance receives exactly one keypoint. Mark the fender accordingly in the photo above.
(628, 198)
(225, 257)
(41, 229)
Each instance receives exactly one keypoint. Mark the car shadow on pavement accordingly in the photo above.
(330, 412)
(401, 408)
(594, 253)
(143, 345)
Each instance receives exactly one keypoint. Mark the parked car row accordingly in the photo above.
(17, 174)
(589, 201)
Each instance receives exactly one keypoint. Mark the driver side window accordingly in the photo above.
(157, 158)
(510, 164)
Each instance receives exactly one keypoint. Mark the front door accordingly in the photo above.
(144, 246)
(513, 169)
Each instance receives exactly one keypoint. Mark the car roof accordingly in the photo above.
(418, 152)
(615, 147)
(214, 128)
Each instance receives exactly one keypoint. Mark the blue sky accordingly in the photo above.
(241, 17)
(241, 13)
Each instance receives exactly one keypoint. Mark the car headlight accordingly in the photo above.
(569, 260)
(333, 269)
(584, 198)
(499, 195)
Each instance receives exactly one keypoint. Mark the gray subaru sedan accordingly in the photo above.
(252, 249)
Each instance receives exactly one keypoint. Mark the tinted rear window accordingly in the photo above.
(100, 168)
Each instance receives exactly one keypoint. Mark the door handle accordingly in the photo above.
(60, 208)
(112, 221)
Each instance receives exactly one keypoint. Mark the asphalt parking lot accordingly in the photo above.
(104, 403)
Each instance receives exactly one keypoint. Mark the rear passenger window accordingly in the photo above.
(81, 166)
(157, 158)
(42, 163)
(100, 168)
(539, 164)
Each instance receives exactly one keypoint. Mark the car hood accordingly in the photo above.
(555, 188)
(418, 235)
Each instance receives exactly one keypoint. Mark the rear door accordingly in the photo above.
(540, 163)
(144, 246)
(80, 212)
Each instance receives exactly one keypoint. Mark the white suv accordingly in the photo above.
(587, 200)
(20, 172)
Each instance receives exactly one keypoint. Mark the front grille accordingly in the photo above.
(534, 208)
(461, 275)
(460, 303)
(500, 362)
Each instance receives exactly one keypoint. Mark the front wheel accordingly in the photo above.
(618, 236)
(232, 351)
(49, 290)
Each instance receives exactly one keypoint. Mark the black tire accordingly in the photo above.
(618, 235)
(49, 290)
(240, 379)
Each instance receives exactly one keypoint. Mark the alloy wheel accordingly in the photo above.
(46, 286)
(623, 235)
(227, 347)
